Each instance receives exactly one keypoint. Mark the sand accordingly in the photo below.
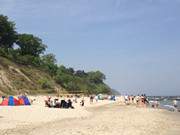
(102, 118)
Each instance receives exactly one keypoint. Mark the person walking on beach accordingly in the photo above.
(91, 99)
(126, 98)
(82, 102)
(137, 99)
(75, 99)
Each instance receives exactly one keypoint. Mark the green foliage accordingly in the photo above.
(96, 77)
(71, 85)
(62, 77)
(91, 82)
(70, 71)
(45, 83)
(102, 88)
(49, 59)
(80, 73)
(10, 53)
(28, 60)
(7, 32)
(49, 64)
(30, 45)
(3, 52)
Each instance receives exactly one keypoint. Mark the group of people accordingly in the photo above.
(137, 100)
(142, 101)
(66, 102)
(56, 103)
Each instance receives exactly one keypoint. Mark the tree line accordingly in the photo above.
(28, 49)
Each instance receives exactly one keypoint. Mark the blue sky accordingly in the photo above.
(136, 43)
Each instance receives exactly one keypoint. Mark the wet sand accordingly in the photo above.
(107, 120)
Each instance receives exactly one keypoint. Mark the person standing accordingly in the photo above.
(126, 98)
(91, 99)
(82, 102)
(175, 103)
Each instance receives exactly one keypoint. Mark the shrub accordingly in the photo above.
(45, 83)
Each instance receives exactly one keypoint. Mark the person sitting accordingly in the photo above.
(52, 103)
(63, 104)
(69, 104)
(56, 104)
(47, 102)
(3, 97)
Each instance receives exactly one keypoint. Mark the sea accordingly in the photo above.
(166, 102)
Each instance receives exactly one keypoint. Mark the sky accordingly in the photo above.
(136, 43)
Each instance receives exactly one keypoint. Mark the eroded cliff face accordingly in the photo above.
(16, 79)
(4, 81)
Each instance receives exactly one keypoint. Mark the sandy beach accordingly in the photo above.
(102, 118)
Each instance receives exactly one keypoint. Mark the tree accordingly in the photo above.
(30, 45)
(7, 32)
(80, 73)
(72, 86)
(49, 59)
(102, 88)
(96, 77)
(49, 63)
(70, 71)
(63, 79)
(61, 69)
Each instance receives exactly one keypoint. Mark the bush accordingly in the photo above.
(45, 84)
(3, 52)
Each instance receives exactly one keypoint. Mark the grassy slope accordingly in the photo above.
(15, 79)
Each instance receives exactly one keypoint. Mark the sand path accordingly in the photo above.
(108, 120)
